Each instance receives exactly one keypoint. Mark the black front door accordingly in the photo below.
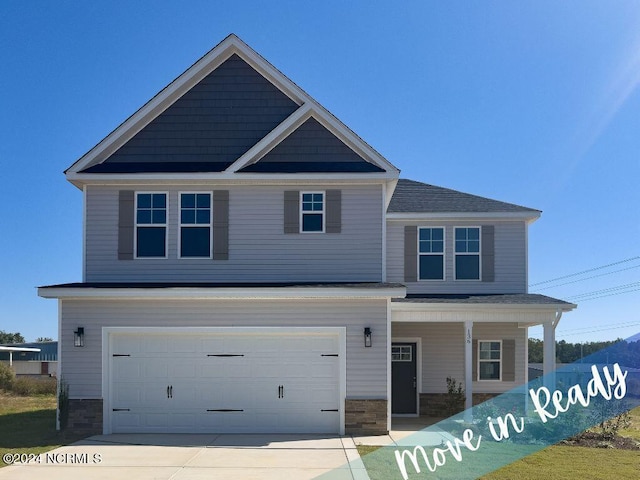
(403, 378)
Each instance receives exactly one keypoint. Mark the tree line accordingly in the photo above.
(7, 337)
(620, 351)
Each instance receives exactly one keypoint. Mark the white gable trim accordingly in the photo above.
(294, 121)
(194, 74)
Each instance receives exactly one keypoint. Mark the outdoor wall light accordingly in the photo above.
(367, 337)
(78, 337)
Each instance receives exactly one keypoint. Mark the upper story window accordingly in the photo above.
(195, 225)
(431, 253)
(467, 253)
(312, 211)
(489, 360)
(151, 225)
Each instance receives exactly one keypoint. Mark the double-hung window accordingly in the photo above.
(431, 253)
(312, 211)
(151, 225)
(467, 253)
(195, 225)
(489, 360)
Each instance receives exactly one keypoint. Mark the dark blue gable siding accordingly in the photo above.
(209, 127)
(311, 148)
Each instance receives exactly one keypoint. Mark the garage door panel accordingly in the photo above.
(183, 368)
(221, 367)
(126, 371)
(265, 383)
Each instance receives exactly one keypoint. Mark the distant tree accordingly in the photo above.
(6, 337)
(535, 350)
(625, 353)
(44, 339)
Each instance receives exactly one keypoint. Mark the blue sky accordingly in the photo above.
(535, 103)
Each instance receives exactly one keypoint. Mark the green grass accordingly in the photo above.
(571, 463)
(557, 462)
(28, 425)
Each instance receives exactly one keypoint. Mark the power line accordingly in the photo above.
(597, 330)
(585, 271)
(618, 325)
(588, 278)
(608, 295)
(605, 290)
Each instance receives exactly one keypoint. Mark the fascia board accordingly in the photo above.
(421, 217)
(80, 179)
(480, 307)
(222, 293)
(18, 349)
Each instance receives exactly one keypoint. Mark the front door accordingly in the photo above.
(403, 378)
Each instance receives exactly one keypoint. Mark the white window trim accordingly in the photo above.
(444, 261)
(190, 225)
(136, 225)
(490, 360)
(455, 255)
(323, 212)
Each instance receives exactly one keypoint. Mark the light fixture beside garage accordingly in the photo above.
(78, 337)
(367, 336)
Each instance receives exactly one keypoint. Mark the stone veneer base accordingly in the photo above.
(85, 416)
(365, 417)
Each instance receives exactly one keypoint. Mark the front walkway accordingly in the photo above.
(403, 427)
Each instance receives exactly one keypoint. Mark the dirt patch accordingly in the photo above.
(595, 440)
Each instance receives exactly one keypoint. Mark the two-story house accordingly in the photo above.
(252, 265)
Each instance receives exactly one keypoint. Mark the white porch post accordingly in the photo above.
(10, 359)
(549, 351)
(468, 369)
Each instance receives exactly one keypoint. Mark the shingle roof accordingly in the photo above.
(417, 197)
(487, 299)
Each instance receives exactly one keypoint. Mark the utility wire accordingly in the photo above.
(618, 325)
(585, 271)
(605, 290)
(608, 295)
(588, 278)
(596, 330)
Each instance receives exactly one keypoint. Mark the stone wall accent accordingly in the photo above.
(365, 417)
(435, 404)
(85, 416)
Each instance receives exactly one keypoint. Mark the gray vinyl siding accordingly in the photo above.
(443, 352)
(510, 260)
(259, 250)
(366, 367)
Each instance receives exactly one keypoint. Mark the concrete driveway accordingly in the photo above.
(181, 457)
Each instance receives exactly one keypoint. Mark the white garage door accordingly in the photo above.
(224, 383)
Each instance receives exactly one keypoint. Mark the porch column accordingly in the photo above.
(549, 351)
(468, 369)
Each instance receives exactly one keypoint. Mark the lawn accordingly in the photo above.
(28, 425)
(558, 462)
